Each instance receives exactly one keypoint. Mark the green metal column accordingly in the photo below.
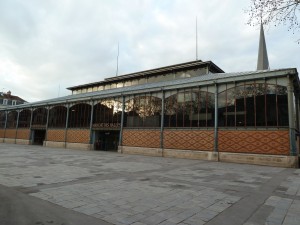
(66, 127)
(122, 122)
(290, 90)
(47, 121)
(17, 125)
(162, 122)
(216, 120)
(91, 126)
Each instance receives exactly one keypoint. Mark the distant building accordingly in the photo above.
(7, 99)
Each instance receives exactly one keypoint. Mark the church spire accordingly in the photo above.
(262, 60)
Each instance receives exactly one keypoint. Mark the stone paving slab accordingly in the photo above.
(132, 189)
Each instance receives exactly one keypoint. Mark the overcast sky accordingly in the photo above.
(47, 46)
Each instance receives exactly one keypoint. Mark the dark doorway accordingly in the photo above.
(107, 140)
(39, 137)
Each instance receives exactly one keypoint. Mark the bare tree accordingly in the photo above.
(277, 12)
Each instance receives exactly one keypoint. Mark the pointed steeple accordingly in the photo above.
(262, 60)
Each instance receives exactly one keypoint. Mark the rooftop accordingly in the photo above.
(154, 72)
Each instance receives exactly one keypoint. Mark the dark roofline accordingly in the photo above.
(153, 72)
(12, 97)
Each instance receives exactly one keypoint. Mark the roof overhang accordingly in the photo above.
(209, 79)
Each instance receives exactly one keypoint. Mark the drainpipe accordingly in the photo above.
(122, 123)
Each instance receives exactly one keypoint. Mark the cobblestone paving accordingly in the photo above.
(130, 189)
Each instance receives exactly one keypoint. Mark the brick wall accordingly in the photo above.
(2, 131)
(23, 134)
(78, 136)
(257, 142)
(141, 138)
(10, 133)
(56, 135)
(202, 140)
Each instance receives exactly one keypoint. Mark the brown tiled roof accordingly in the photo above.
(11, 97)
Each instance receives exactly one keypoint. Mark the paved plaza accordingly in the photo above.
(112, 188)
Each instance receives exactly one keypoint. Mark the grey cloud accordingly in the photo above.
(63, 43)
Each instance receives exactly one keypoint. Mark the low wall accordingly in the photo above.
(23, 134)
(202, 140)
(2, 132)
(190, 154)
(10, 133)
(78, 136)
(141, 138)
(79, 146)
(140, 150)
(56, 135)
(22, 142)
(257, 159)
(10, 140)
(54, 144)
(270, 142)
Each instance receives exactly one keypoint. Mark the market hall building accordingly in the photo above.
(190, 110)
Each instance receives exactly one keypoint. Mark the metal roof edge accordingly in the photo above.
(208, 79)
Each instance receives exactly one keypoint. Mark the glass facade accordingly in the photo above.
(24, 119)
(39, 116)
(2, 119)
(253, 105)
(12, 119)
(107, 114)
(57, 117)
(143, 111)
(192, 107)
(79, 116)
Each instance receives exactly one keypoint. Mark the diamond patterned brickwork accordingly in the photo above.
(23, 134)
(10, 133)
(258, 142)
(56, 135)
(141, 138)
(78, 136)
(202, 140)
(2, 131)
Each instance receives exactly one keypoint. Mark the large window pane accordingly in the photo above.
(190, 108)
(282, 101)
(143, 111)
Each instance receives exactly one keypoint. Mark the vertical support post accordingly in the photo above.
(17, 125)
(47, 121)
(91, 126)
(162, 122)
(290, 91)
(122, 123)
(5, 124)
(297, 110)
(67, 121)
(31, 117)
(216, 120)
(30, 126)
